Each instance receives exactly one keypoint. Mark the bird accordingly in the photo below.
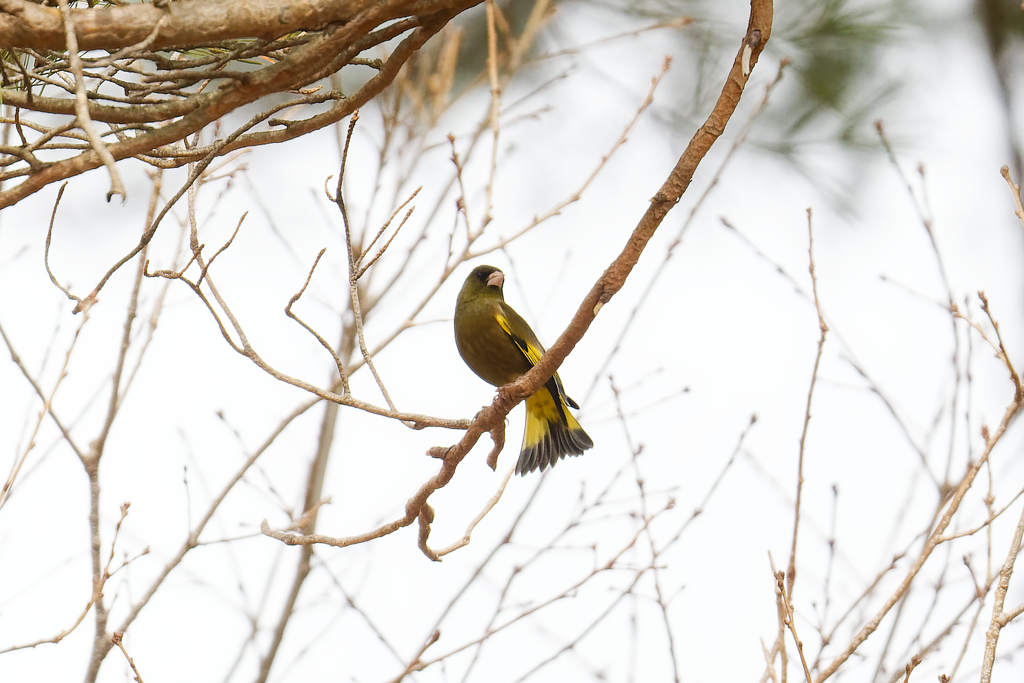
(499, 346)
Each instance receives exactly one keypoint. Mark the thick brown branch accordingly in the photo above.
(189, 23)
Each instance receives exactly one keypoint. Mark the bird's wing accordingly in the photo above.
(516, 328)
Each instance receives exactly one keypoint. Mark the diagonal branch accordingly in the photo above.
(614, 277)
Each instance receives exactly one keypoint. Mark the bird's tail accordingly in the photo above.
(551, 433)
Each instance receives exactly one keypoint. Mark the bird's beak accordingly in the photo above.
(496, 279)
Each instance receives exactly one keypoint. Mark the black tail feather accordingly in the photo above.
(559, 442)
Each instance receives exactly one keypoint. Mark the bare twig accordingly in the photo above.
(495, 109)
(491, 502)
(223, 247)
(5, 492)
(118, 639)
(578, 194)
(823, 328)
(353, 264)
(46, 249)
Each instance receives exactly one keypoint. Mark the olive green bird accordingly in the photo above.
(499, 347)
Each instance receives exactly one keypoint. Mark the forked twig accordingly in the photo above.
(381, 232)
(384, 247)
(5, 492)
(342, 375)
(95, 596)
(223, 247)
(789, 618)
(353, 264)
(117, 639)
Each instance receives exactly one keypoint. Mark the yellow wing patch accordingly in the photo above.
(531, 352)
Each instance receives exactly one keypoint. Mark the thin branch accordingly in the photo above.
(353, 264)
(118, 639)
(221, 250)
(6, 491)
(64, 429)
(790, 618)
(488, 506)
(495, 109)
(1000, 618)
(46, 249)
(791, 570)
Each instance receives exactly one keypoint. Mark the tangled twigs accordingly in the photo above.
(294, 62)
(937, 534)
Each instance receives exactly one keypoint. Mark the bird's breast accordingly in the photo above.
(487, 349)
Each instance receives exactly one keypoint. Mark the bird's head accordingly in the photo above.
(484, 282)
